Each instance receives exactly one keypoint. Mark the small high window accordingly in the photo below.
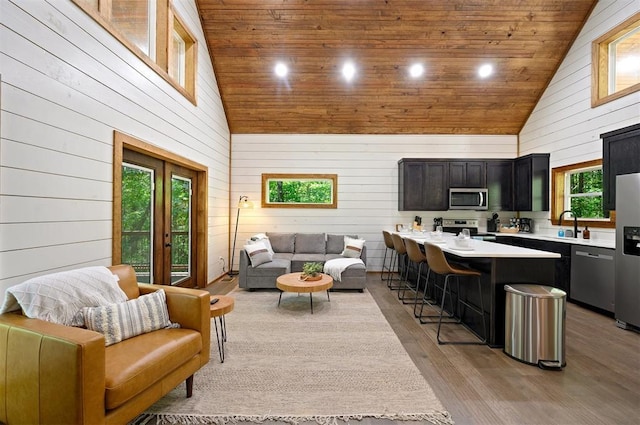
(154, 32)
(182, 55)
(616, 62)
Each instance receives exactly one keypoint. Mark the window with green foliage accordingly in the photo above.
(299, 190)
(584, 196)
(578, 188)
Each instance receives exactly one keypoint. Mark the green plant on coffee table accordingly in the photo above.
(312, 269)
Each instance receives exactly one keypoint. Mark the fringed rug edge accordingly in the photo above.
(435, 418)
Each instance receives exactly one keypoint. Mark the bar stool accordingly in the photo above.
(431, 301)
(388, 242)
(439, 264)
(417, 258)
(401, 253)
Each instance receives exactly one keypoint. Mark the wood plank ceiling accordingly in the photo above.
(524, 41)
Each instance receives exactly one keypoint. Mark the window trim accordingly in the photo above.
(190, 53)
(558, 177)
(330, 177)
(600, 64)
(165, 16)
(123, 141)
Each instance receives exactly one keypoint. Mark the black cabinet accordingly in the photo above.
(563, 264)
(500, 184)
(467, 173)
(514, 185)
(620, 155)
(531, 183)
(423, 185)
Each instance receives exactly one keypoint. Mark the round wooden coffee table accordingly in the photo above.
(292, 283)
(218, 309)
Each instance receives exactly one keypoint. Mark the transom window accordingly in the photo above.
(616, 62)
(299, 190)
(154, 32)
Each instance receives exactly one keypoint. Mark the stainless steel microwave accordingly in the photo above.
(468, 199)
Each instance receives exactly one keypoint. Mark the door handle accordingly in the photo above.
(168, 244)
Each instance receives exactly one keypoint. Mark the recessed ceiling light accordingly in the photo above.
(416, 70)
(485, 70)
(281, 70)
(348, 71)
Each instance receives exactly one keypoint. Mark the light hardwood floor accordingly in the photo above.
(481, 385)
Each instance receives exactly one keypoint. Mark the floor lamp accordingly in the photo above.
(243, 202)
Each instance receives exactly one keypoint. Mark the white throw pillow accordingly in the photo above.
(125, 320)
(352, 247)
(261, 237)
(258, 253)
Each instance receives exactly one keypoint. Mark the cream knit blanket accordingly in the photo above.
(335, 267)
(59, 297)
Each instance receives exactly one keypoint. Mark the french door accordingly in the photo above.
(157, 219)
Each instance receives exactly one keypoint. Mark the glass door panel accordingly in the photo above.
(137, 220)
(181, 237)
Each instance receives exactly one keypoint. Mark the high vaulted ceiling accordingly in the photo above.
(525, 41)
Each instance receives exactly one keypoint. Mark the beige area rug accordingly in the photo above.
(284, 364)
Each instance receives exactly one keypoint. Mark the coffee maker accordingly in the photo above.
(526, 225)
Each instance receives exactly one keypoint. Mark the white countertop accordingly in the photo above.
(572, 241)
(480, 249)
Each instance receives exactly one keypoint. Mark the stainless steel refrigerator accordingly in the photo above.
(627, 302)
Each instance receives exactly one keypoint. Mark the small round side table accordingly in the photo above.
(223, 306)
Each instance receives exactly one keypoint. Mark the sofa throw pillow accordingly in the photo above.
(121, 321)
(352, 247)
(258, 253)
(261, 237)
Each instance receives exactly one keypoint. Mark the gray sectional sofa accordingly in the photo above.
(291, 251)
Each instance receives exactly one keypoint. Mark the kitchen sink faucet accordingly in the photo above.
(575, 222)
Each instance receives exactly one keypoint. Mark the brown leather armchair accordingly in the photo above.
(56, 374)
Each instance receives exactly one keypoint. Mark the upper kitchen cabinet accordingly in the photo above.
(531, 182)
(500, 184)
(423, 185)
(467, 173)
(620, 155)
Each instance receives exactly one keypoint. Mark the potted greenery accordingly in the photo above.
(311, 271)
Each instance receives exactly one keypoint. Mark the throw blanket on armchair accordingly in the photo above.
(59, 297)
(335, 267)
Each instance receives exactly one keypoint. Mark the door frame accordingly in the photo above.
(123, 141)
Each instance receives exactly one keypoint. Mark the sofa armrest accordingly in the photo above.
(39, 361)
(190, 308)
(363, 255)
(245, 263)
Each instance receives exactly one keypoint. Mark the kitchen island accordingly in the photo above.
(499, 265)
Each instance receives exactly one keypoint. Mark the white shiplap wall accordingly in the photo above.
(367, 169)
(66, 85)
(563, 122)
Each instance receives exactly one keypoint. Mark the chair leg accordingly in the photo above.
(395, 257)
(384, 260)
(482, 340)
(189, 384)
(425, 301)
(392, 266)
(413, 289)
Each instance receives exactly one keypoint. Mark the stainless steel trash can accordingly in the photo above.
(534, 324)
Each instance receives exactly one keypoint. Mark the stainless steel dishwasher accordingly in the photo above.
(593, 276)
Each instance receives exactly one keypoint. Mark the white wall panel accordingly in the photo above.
(367, 169)
(66, 85)
(563, 122)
